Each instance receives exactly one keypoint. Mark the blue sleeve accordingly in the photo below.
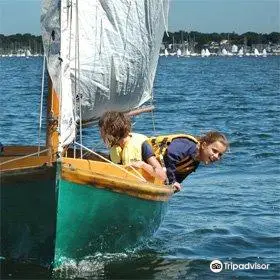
(176, 151)
(147, 151)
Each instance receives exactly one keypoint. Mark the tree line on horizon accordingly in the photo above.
(15, 42)
(202, 39)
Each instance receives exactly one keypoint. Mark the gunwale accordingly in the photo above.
(104, 175)
(91, 172)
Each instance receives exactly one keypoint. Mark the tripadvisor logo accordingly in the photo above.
(216, 266)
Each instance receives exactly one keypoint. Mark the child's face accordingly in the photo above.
(210, 153)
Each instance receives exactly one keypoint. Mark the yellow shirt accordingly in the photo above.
(132, 151)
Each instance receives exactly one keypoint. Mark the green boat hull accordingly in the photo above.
(91, 219)
(47, 220)
(28, 215)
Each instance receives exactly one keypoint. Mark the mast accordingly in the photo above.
(52, 123)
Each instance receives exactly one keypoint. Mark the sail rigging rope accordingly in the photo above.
(116, 165)
(75, 75)
(41, 103)
(77, 57)
(153, 117)
(52, 38)
(15, 159)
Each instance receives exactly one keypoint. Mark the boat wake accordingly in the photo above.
(91, 267)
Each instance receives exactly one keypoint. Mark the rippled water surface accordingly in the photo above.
(229, 211)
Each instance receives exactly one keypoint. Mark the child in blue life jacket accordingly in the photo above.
(128, 148)
(183, 153)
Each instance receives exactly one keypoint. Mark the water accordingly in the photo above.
(229, 211)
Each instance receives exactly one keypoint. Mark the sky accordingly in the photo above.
(206, 16)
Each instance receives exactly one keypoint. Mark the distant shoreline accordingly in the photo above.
(28, 43)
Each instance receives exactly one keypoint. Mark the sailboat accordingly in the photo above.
(187, 53)
(179, 53)
(240, 52)
(207, 53)
(202, 53)
(224, 52)
(256, 52)
(264, 53)
(64, 200)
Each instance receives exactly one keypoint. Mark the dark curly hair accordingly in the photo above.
(113, 127)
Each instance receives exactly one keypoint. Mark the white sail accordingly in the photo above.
(202, 53)
(179, 52)
(207, 53)
(234, 49)
(102, 55)
(240, 52)
(256, 52)
(224, 52)
(187, 53)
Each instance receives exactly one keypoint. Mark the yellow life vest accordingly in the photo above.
(132, 151)
(161, 143)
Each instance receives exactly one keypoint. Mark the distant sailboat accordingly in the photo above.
(202, 53)
(187, 53)
(224, 52)
(256, 52)
(179, 53)
(264, 53)
(172, 47)
(240, 52)
(207, 53)
(234, 49)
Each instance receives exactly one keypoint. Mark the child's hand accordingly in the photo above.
(137, 164)
(177, 187)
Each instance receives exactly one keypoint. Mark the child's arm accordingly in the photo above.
(152, 167)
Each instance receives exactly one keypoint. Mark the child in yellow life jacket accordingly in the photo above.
(128, 148)
(181, 154)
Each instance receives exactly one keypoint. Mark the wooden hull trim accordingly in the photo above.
(104, 175)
